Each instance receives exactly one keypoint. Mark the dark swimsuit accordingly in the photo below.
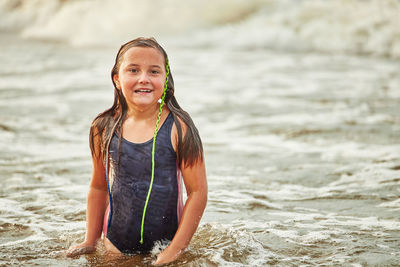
(128, 187)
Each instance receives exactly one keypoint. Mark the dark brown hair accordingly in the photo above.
(189, 149)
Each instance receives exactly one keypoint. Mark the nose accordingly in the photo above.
(144, 78)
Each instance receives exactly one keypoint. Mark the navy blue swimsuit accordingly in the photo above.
(129, 186)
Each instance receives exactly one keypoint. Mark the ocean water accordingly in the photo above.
(297, 103)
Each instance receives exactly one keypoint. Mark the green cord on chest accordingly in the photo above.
(153, 150)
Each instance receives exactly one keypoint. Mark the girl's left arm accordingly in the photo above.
(196, 188)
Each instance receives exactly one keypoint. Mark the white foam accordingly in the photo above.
(241, 199)
(370, 27)
(366, 223)
(357, 26)
(111, 21)
(226, 241)
(159, 246)
(391, 204)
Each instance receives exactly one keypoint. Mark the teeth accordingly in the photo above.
(144, 91)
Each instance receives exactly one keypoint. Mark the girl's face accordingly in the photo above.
(141, 77)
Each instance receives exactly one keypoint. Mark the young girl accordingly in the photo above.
(140, 148)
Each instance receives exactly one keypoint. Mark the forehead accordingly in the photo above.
(143, 56)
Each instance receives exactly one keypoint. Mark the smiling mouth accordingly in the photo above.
(143, 91)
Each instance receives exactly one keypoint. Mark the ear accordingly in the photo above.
(116, 81)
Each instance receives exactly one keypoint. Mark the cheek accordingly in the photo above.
(125, 82)
(160, 84)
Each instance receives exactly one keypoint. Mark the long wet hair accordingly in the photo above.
(189, 150)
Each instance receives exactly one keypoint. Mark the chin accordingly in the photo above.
(145, 104)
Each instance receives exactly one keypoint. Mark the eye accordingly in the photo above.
(155, 72)
(133, 70)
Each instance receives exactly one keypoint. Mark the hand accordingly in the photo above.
(166, 257)
(82, 248)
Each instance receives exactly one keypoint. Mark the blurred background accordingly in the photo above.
(297, 103)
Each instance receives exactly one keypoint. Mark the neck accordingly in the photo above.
(148, 113)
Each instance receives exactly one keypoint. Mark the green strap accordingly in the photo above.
(153, 150)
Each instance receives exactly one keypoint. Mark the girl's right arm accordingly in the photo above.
(96, 206)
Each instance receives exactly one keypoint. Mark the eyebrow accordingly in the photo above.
(136, 65)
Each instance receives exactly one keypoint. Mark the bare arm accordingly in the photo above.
(196, 188)
(96, 205)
